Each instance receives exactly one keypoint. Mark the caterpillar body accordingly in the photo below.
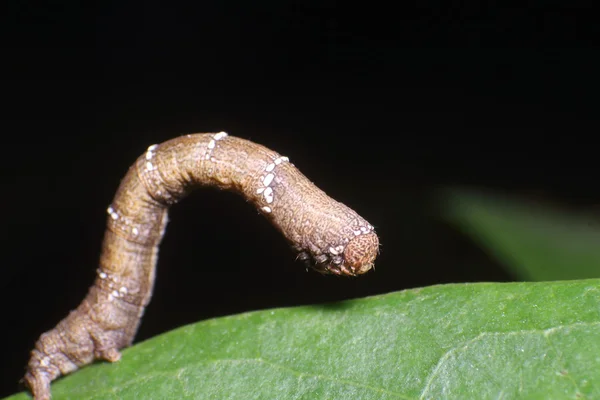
(328, 235)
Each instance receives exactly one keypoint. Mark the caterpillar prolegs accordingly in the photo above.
(330, 236)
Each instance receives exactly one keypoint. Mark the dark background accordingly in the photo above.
(377, 105)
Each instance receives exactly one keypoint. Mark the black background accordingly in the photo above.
(377, 105)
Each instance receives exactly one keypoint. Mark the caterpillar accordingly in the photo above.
(329, 236)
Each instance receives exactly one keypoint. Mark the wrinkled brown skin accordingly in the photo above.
(326, 233)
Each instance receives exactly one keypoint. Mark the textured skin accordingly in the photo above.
(325, 233)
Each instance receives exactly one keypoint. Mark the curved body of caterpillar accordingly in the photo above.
(324, 232)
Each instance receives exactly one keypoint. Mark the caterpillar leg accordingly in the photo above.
(89, 333)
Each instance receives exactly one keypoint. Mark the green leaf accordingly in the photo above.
(464, 341)
(535, 242)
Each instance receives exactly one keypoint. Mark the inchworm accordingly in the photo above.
(330, 236)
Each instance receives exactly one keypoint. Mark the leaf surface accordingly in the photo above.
(464, 341)
(535, 242)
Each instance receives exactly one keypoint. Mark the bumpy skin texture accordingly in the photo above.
(327, 234)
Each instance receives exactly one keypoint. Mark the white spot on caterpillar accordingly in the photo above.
(135, 231)
(116, 293)
(150, 167)
(113, 214)
(279, 160)
(356, 233)
(212, 144)
(102, 275)
(364, 229)
(44, 362)
(268, 194)
(150, 152)
(220, 135)
(123, 289)
(267, 209)
(268, 179)
(333, 251)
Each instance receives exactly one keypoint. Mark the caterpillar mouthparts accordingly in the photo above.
(355, 258)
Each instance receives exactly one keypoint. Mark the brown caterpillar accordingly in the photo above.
(331, 236)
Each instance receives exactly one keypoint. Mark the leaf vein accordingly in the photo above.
(463, 345)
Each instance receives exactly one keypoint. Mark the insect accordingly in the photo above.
(328, 235)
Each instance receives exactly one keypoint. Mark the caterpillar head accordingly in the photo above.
(354, 258)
